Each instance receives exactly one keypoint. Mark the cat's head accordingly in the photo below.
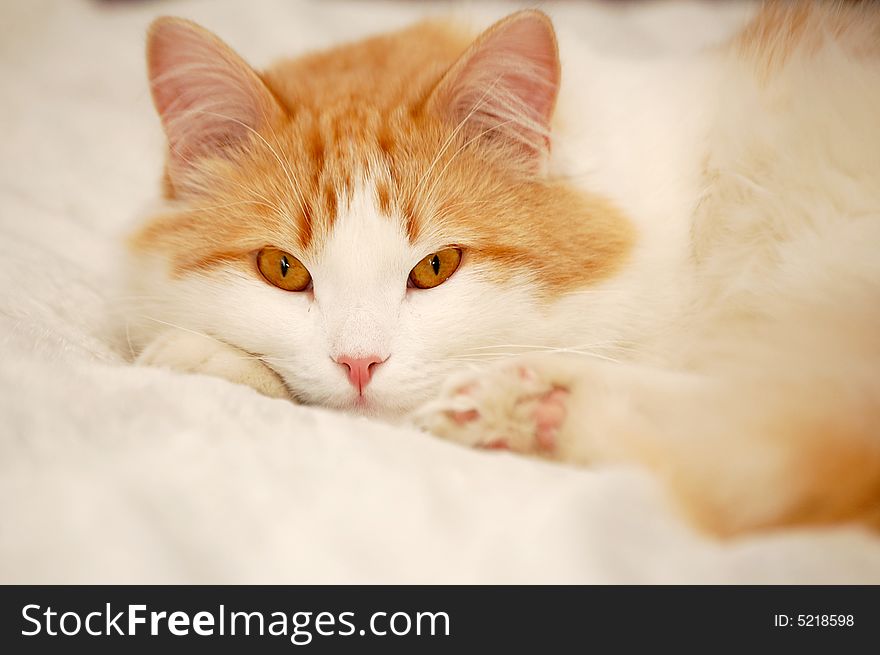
(369, 218)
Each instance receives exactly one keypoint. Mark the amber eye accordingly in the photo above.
(435, 269)
(283, 270)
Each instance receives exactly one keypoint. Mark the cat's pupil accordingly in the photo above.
(435, 264)
(285, 265)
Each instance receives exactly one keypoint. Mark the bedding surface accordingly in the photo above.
(116, 473)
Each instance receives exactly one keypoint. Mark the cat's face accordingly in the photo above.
(369, 219)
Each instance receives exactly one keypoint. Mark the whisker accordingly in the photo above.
(287, 172)
(497, 356)
(544, 347)
(197, 333)
(280, 211)
(284, 167)
(128, 339)
(587, 292)
(480, 102)
(447, 210)
(461, 149)
(240, 202)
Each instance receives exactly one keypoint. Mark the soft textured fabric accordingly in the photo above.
(116, 473)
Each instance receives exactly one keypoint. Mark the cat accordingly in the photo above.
(675, 267)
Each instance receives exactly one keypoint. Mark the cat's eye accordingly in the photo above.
(283, 270)
(435, 269)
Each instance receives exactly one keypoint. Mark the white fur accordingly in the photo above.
(746, 197)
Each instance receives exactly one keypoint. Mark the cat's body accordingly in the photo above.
(698, 243)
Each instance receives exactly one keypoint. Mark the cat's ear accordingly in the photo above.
(208, 98)
(504, 87)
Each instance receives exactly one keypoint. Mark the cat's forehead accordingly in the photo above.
(363, 241)
(349, 162)
(383, 72)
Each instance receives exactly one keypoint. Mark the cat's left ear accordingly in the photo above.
(209, 99)
(504, 87)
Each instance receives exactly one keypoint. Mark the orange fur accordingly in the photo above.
(782, 439)
(780, 29)
(358, 110)
(829, 473)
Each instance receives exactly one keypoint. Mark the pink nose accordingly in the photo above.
(360, 369)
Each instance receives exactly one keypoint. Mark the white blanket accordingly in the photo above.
(113, 473)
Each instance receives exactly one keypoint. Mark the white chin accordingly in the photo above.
(382, 405)
(379, 405)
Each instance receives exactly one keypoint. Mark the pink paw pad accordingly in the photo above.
(467, 389)
(496, 444)
(549, 416)
(466, 416)
(527, 374)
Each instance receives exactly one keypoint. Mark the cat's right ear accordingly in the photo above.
(503, 88)
(209, 99)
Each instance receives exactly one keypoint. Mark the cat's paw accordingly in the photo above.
(521, 405)
(194, 353)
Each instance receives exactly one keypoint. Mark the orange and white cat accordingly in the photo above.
(677, 266)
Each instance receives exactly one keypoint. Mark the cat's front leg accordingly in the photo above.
(189, 352)
(739, 456)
